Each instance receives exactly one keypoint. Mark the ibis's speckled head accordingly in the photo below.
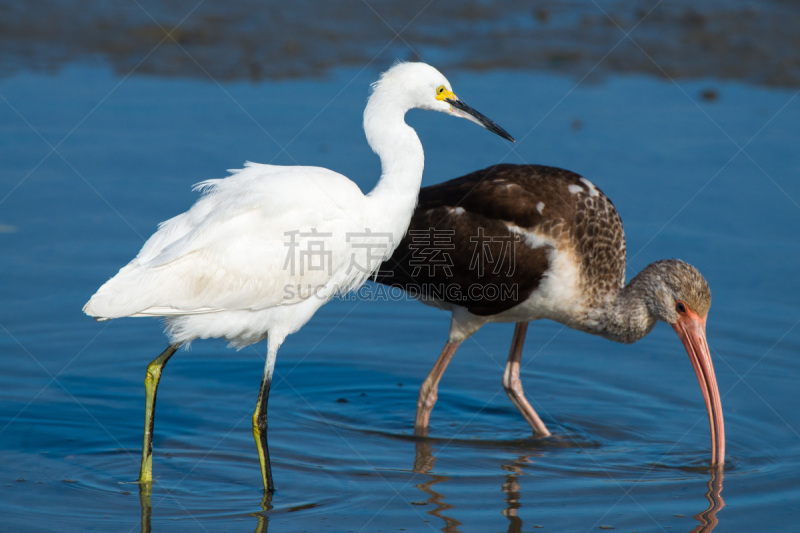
(677, 288)
(679, 295)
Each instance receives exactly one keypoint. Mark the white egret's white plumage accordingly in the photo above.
(229, 267)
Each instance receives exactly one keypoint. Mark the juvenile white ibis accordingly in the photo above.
(264, 248)
(515, 243)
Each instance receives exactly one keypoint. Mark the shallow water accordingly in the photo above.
(92, 161)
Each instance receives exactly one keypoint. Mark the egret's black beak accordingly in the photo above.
(478, 118)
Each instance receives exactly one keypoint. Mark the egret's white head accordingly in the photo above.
(419, 85)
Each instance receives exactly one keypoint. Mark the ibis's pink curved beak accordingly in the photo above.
(691, 328)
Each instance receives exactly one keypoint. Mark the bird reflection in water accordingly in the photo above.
(262, 517)
(708, 518)
(511, 488)
(146, 503)
(424, 462)
(145, 492)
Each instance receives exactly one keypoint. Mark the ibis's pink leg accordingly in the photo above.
(513, 385)
(428, 392)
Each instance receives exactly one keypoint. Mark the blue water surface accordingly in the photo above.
(91, 161)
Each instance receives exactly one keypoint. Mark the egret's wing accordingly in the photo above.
(265, 236)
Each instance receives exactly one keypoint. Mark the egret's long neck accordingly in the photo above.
(626, 317)
(391, 203)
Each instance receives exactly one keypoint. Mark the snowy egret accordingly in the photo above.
(264, 248)
(515, 243)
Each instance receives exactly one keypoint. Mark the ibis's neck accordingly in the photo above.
(391, 203)
(626, 316)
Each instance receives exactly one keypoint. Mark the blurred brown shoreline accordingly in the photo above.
(754, 42)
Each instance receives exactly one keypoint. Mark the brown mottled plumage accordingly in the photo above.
(515, 243)
(591, 227)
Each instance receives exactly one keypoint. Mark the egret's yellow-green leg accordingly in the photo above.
(260, 417)
(260, 434)
(151, 379)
